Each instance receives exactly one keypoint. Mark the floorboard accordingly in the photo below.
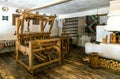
(71, 68)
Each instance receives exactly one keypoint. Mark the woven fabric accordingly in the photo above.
(91, 23)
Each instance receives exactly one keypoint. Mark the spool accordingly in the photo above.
(94, 60)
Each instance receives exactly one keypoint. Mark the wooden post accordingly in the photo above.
(22, 25)
(42, 27)
(51, 25)
(59, 50)
(28, 25)
(45, 24)
(17, 41)
(30, 57)
(18, 22)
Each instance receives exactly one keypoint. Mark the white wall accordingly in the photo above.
(104, 10)
(37, 28)
(101, 33)
(6, 28)
(103, 19)
(54, 31)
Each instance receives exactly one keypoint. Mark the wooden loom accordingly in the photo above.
(36, 44)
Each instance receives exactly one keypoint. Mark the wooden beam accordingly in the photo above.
(55, 2)
(46, 63)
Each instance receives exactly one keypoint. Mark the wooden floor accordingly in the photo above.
(71, 68)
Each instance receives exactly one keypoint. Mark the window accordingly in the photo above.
(14, 16)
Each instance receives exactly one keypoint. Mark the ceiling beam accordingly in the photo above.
(55, 2)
